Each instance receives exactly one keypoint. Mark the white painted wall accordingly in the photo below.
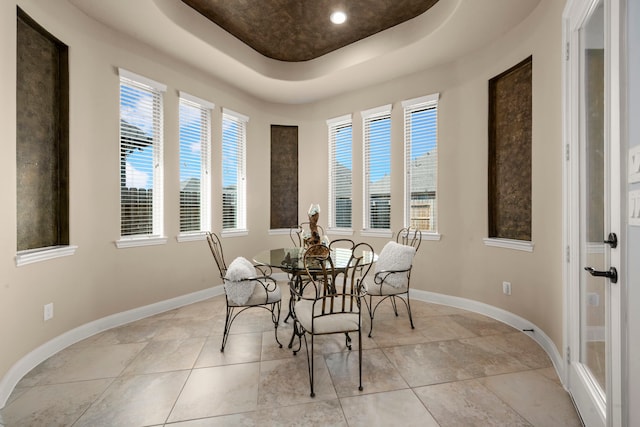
(101, 280)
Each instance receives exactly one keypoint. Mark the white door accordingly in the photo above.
(592, 137)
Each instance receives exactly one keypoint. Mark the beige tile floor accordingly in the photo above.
(456, 368)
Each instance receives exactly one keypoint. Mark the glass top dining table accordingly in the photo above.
(291, 260)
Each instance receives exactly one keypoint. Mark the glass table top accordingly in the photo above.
(291, 259)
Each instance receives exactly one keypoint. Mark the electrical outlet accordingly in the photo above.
(48, 311)
(506, 288)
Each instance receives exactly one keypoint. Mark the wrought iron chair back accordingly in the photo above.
(342, 243)
(409, 236)
(295, 234)
(218, 255)
(330, 300)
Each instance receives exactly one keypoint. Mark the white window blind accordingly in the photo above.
(195, 148)
(234, 138)
(141, 156)
(421, 162)
(340, 172)
(377, 168)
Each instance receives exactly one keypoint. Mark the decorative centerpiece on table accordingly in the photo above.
(314, 237)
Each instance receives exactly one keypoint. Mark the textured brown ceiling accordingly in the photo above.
(300, 30)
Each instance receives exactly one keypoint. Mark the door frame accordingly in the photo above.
(591, 403)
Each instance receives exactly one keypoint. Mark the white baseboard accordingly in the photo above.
(504, 316)
(53, 346)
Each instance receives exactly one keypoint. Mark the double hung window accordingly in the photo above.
(377, 168)
(421, 162)
(340, 172)
(234, 141)
(195, 174)
(141, 157)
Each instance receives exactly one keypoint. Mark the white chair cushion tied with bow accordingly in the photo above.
(392, 273)
(237, 284)
(393, 266)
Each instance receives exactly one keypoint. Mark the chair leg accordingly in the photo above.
(360, 357)
(409, 310)
(299, 332)
(309, 362)
(313, 393)
(393, 304)
(347, 340)
(275, 317)
(227, 327)
(369, 307)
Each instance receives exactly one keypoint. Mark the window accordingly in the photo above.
(141, 160)
(234, 141)
(340, 172)
(377, 168)
(195, 146)
(421, 162)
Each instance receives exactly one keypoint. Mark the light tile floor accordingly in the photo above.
(456, 368)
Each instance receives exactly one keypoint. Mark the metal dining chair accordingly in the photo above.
(392, 274)
(266, 294)
(330, 301)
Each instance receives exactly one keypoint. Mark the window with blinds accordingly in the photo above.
(234, 140)
(421, 162)
(141, 160)
(377, 167)
(340, 172)
(195, 146)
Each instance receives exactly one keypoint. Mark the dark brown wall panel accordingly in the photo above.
(510, 118)
(284, 176)
(41, 138)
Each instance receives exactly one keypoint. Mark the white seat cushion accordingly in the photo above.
(394, 257)
(259, 296)
(238, 289)
(384, 289)
(333, 323)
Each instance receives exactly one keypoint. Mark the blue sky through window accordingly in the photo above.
(423, 138)
(137, 126)
(379, 148)
(343, 137)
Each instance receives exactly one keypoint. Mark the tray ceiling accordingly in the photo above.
(295, 30)
(448, 30)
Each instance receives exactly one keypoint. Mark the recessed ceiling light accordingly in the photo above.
(338, 17)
